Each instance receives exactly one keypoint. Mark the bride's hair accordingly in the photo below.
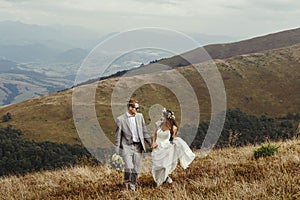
(169, 115)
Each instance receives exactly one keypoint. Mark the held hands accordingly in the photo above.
(154, 145)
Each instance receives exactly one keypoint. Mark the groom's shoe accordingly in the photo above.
(169, 180)
(127, 186)
(132, 187)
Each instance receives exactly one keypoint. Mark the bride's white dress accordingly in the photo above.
(165, 156)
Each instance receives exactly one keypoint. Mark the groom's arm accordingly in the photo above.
(153, 137)
(118, 136)
(147, 136)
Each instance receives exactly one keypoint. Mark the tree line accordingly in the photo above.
(19, 156)
(242, 129)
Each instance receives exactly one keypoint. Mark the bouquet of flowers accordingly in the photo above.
(117, 162)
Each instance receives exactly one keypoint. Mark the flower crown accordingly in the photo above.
(169, 114)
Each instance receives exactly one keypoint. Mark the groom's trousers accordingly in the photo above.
(132, 156)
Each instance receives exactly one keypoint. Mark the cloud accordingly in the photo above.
(237, 17)
(276, 5)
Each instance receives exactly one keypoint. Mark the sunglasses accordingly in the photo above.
(136, 108)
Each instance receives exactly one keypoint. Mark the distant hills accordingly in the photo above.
(263, 43)
(7, 65)
(41, 53)
(75, 55)
(55, 53)
(27, 53)
(38, 43)
(227, 50)
(36, 60)
(264, 82)
(18, 82)
(56, 37)
(22, 42)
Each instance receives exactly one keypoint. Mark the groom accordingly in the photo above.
(131, 132)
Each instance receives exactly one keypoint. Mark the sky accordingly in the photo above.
(236, 18)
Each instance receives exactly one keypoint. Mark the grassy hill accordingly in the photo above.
(254, 45)
(227, 50)
(260, 83)
(230, 173)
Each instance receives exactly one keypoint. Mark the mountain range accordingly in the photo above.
(20, 82)
(227, 50)
(55, 53)
(21, 42)
(263, 80)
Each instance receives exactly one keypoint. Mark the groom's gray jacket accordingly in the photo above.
(124, 135)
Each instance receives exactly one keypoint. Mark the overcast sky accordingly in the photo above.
(237, 18)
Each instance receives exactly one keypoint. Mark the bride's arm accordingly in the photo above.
(175, 131)
(153, 137)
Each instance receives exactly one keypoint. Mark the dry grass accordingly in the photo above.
(224, 174)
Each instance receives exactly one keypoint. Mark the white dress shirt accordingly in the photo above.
(133, 127)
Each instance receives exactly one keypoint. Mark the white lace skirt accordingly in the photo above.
(183, 152)
(163, 163)
(164, 160)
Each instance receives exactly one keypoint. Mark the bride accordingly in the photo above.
(168, 148)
